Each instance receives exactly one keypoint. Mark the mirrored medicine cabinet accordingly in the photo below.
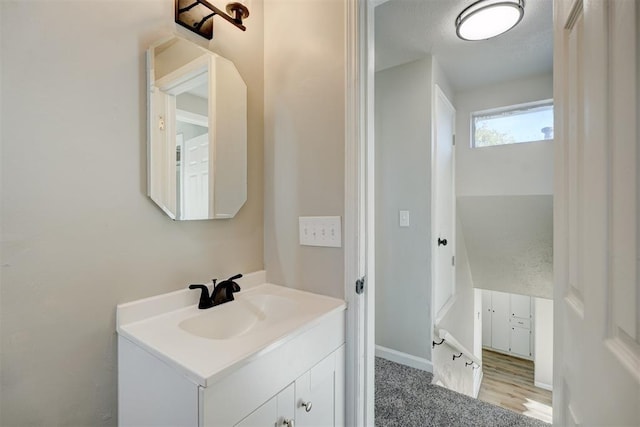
(197, 132)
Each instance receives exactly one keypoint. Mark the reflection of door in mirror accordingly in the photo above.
(192, 128)
(195, 185)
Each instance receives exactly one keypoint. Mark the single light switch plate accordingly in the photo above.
(320, 231)
(404, 218)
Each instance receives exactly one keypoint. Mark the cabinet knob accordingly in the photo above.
(306, 405)
(288, 423)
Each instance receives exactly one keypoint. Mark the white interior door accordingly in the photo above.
(443, 201)
(195, 183)
(597, 316)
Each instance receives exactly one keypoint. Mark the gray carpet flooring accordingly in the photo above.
(405, 397)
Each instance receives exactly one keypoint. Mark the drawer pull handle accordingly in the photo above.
(306, 405)
(288, 423)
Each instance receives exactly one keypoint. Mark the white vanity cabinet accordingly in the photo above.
(152, 394)
(314, 399)
(169, 377)
(279, 411)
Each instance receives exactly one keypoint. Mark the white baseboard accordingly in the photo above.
(404, 358)
(543, 385)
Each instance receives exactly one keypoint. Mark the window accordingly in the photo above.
(512, 125)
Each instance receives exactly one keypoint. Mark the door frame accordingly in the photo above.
(359, 245)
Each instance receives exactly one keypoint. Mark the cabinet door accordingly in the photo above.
(486, 318)
(520, 306)
(274, 412)
(500, 327)
(521, 341)
(315, 395)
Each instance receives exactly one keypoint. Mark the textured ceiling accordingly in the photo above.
(407, 30)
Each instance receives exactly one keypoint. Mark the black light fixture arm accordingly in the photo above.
(203, 20)
(195, 14)
(187, 8)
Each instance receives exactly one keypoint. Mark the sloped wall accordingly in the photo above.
(509, 241)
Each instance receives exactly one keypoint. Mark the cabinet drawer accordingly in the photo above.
(520, 322)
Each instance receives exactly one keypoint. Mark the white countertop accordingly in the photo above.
(153, 324)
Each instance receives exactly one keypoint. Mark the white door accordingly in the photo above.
(596, 330)
(195, 166)
(500, 325)
(486, 318)
(443, 201)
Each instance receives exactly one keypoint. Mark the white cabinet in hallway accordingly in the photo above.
(507, 323)
(499, 321)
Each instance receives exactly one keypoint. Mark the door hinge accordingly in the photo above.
(360, 285)
(454, 139)
(453, 261)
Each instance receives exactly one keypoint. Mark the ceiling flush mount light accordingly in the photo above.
(197, 16)
(485, 19)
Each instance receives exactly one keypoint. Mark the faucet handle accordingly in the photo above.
(234, 286)
(205, 300)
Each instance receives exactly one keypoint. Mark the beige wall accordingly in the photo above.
(304, 138)
(79, 234)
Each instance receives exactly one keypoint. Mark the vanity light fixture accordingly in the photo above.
(197, 16)
(485, 19)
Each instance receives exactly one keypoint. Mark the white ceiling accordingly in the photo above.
(407, 30)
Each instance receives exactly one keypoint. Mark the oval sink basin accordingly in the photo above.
(238, 317)
(222, 322)
(272, 307)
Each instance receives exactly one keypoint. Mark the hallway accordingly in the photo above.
(508, 382)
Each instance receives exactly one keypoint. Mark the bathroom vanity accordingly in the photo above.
(274, 356)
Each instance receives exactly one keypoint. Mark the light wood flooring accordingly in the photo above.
(508, 382)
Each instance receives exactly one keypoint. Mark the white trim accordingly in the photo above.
(191, 118)
(445, 309)
(376, 3)
(359, 349)
(404, 358)
(543, 385)
(508, 353)
(477, 384)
